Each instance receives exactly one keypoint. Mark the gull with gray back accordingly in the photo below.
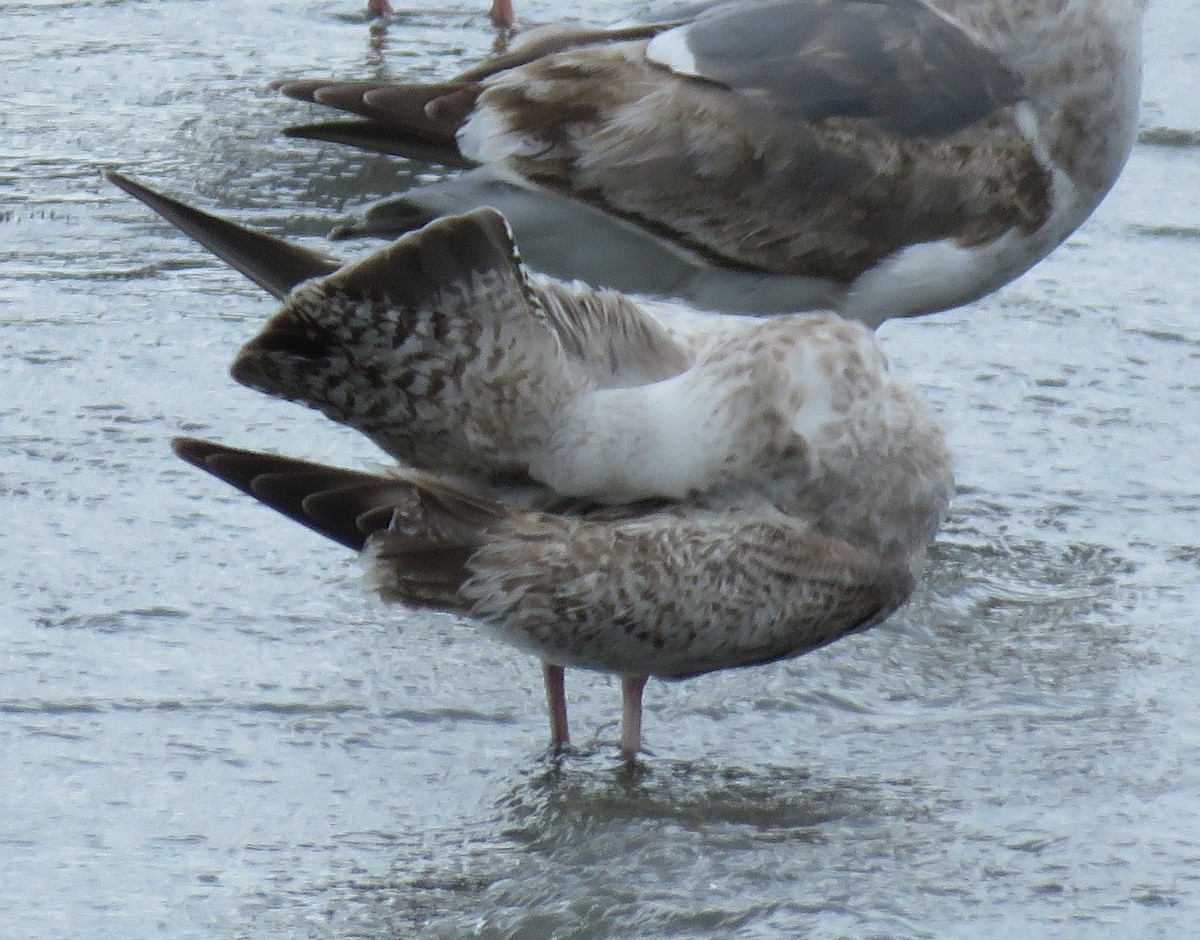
(883, 158)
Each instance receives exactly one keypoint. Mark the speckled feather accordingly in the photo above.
(674, 594)
(442, 350)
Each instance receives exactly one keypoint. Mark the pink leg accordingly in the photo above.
(502, 14)
(556, 703)
(380, 7)
(631, 716)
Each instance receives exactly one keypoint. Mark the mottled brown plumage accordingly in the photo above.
(627, 486)
(885, 157)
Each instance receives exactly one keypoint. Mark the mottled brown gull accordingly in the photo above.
(879, 157)
(619, 485)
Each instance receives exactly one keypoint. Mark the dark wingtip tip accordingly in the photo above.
(191, 449)
(300, 89)
(296, 132)
(124, 182)
(327, 131)
(273, 263)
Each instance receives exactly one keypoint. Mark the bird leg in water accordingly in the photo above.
(631, 716)
(556, 704)
(503, 15)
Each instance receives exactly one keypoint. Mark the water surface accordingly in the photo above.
(208, 730)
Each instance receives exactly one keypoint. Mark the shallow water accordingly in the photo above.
(208, 730)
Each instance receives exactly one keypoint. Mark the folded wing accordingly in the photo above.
(647, 591)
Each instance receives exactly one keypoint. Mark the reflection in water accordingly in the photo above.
(578, 834)
(578, 790)
(377, 48)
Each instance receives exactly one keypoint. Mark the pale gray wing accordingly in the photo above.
(570, 238)
(896, 63)
(812, 139)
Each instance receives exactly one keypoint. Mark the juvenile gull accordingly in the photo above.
(619, 485)
(880, 157)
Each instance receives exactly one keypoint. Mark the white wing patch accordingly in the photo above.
(670, 50)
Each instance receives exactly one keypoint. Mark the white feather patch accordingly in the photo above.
(670, 50)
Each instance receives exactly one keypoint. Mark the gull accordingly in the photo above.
(883, 158)
(614, 484)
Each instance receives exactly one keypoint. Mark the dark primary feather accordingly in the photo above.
(430, 530)
(376, 137)
(283, 483)
(272, 263)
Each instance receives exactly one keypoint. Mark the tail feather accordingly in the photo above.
(420, 532)
(421, 557)
(421, 578)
